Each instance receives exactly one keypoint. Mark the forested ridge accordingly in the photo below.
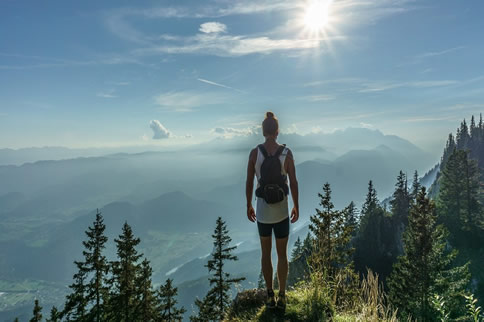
(421, 258)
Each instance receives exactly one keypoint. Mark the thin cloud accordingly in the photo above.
(318, 98)
(429, 119)
(432, 54)
(186, 101)
(106, 95)
(219, 85)
(379, 87)
(229, 132)
(212, 27)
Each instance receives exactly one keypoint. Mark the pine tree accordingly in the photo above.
(146, 309)
(415, 187)
(96, 264)
(54, 315)
(351, 218)
(217, 300)
(297, 249)
(375, 244)
(458, 203)
(16, 320)
(425, 267)
(167, 310)
(123, 297)
(76, 302)
(37, 312)
(400, 203)
(89, 292)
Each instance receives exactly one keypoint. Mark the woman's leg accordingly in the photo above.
(282, 264)
(266, 260)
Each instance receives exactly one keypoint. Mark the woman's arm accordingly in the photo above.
(291, 172)
(249, 184)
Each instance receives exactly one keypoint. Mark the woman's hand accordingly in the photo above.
(251, 213)
(294, 215)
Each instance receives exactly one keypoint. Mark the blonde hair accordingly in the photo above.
(270, 125)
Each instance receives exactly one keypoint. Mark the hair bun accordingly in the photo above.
(269, 115)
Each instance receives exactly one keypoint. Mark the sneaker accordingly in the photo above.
(271, 300)
(281, 301)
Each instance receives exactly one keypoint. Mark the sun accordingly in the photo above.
(317, 14)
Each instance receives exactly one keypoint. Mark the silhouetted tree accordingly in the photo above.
(146, 308)
(458, 203)
(425, 267)
(415, 187)
(54, 315)
(331, 238)
(375, 243)
(123, 297)
(297, 249)
(167, 310)
(400, 203)
(217, 300)
(97, 266)
(76, 302)
(37, 312)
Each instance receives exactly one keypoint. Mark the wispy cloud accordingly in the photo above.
(219, 85)
(379, 87)
(107, 94)
(212, 27)
(227, 45)
(417, 59)
(318, 98)
(229, 132)
(49, 62)
(430, 119)
(186, 101)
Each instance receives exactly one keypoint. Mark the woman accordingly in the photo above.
(272, 213)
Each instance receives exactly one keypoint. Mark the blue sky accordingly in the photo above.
(113, 73)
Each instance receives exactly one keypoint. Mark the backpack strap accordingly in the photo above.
(263, 150)
(280, 150)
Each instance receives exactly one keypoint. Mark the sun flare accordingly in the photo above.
(317, 14)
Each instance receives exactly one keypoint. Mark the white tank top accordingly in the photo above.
(271, 213)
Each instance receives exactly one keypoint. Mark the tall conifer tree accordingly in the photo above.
(76, 301)
(415, 187)
(458, 202)
(146, 309)
(97, 266)
(167, 309)
(37, 312)
(217, 300)
(54, 315)
(123, 297)
(425, 267)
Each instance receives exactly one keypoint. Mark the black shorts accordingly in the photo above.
(281, 229)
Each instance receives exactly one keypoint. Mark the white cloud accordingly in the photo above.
(366, 125)
(229, 132)
(229, 46)
(212, 27)
(186, 101)
(159, 131)
(107, 94)
(318, 98)
(383, 86)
